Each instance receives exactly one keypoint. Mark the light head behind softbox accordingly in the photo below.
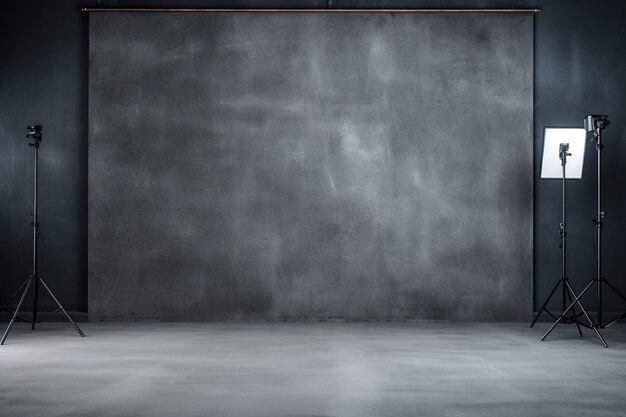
(595, 121)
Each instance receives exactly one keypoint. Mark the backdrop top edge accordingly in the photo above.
(91, 10)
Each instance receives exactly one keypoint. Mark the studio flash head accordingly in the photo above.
(34, 132)
(595, 122)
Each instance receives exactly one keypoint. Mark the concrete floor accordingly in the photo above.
(311, 369)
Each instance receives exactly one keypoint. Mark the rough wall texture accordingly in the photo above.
(270, 166)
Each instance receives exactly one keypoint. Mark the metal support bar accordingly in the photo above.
(614, 289)
(18, 317)
(615, 320)
(196, 10)
(49, 315)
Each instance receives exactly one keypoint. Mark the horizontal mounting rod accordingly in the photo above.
(89, 9)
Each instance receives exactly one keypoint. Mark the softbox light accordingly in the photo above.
(553, 137)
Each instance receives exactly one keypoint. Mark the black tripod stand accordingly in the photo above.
(33, 280)
(596, 123)
(567, 290)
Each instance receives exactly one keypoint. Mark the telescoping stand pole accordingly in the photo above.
(33, 280)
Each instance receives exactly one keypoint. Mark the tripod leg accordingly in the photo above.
(570, 291)
(615, 320)
(557, 321)
(17, 309)
(615, 289)
(35, 291)
(15, 294)
(61, 307)
(618, 318)
(591, 323)
(545, 303)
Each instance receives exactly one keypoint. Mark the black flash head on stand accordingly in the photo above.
(34, 132)
(563, 153)
(596, 122)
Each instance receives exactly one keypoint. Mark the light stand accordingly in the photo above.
(564, 280)
(596, 123)
(567, 290)
(33, 280)
(561, 140)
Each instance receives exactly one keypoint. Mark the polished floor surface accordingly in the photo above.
(311, 369)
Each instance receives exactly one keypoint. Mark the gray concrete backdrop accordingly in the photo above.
(310, 166)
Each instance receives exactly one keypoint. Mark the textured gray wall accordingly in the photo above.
(269, 166)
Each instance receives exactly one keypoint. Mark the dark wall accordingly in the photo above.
(43, 80)
(579, 68)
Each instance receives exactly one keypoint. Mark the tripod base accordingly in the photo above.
(562, 318)
(33, 281)
(599, 323)
(567, 292)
